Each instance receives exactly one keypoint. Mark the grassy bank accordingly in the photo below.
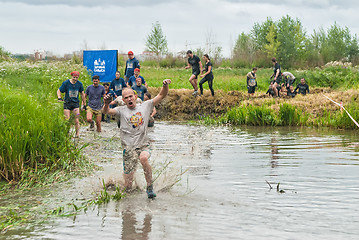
(36, 146)
(234, 107)
(335, 76)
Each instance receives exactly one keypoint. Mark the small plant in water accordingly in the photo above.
(119, 194)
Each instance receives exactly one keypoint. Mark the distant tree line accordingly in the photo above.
(287, 40)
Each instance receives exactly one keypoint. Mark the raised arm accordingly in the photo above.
(107, 99)
(163, 92)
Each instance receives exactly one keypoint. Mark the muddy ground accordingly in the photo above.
(181, 105)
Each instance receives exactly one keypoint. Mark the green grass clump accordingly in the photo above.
(33, 137)
(289, 116)
(35, 144)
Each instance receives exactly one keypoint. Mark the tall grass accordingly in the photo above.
(34, 137)
(286, 115)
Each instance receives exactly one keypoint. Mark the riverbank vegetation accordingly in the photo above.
(36, 147)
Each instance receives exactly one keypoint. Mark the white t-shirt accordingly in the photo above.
(134, 123)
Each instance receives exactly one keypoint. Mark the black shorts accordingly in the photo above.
(278, 80)
(251, 89)
(71, 105)
(196, 73)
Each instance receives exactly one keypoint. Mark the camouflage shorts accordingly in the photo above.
(131, 157)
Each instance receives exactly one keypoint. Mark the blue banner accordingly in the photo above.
(102, 63)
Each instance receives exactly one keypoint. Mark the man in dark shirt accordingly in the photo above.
(72, 89)
(139, 88)
(194, 62)
(303, 87)
(95, 93)
(277, 74)
(117, 84)
(131, 64)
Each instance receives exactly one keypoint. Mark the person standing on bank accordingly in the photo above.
(207, 76)
(131, 64)
(277, 76)
(251, 81)
(195, 63)
(133, 132)
(95, 92)
(72, 87)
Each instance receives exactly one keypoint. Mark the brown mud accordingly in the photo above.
(181, 105)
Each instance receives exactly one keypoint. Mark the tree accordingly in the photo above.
(271, 48)
(156, 42)
(291, 38)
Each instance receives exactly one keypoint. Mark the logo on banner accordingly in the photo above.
(99, 66)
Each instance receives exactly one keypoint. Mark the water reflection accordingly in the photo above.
(274, 152)
(130, 226)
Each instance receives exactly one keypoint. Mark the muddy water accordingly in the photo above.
(221, 191)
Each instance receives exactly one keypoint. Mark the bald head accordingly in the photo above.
(129, 97)
(127, 91)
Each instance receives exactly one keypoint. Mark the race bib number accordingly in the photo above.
(118, 87)
(73, 93)
(252, 82)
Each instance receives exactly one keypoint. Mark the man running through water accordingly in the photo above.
(133, 132)
(72, 87)
(194, 62)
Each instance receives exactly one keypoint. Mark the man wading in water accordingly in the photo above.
(133, 132)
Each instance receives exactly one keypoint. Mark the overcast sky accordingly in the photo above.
(65, 26)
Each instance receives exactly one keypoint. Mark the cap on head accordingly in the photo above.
(189, 52)
(274, 59)
(75, 73)
(130, 53)
(137, 70)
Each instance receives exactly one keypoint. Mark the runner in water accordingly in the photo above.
(133, 132)
(72, 88)
(95, 92)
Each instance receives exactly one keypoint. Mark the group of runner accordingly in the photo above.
(276, 87)
(134, 117)
(127, 99)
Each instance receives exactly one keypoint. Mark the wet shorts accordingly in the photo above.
(94, 112)
(71, 105)
(196, 73)
(251, 89)
(131, 158)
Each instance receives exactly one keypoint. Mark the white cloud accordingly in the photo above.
(62, 28)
